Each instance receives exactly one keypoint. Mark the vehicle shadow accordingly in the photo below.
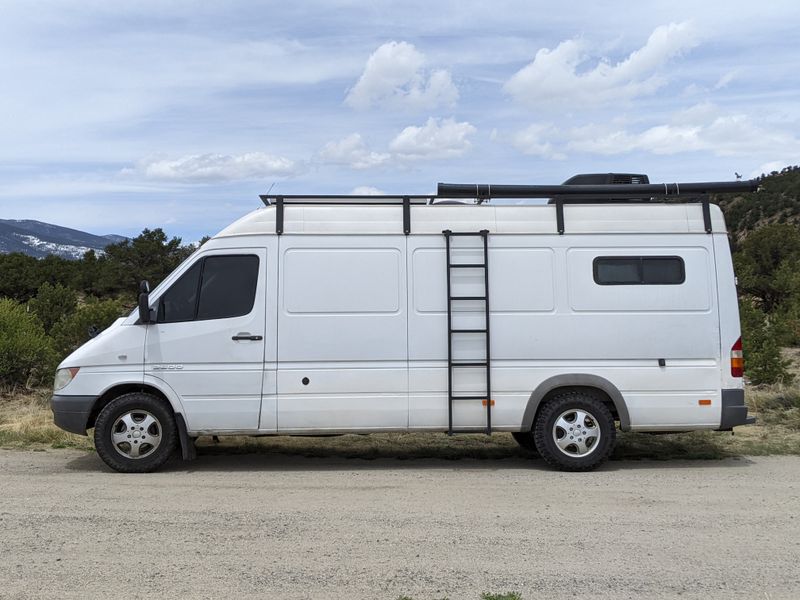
(363, 453)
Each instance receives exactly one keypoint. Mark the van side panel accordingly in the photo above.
(522, 287)
(342, 333)
(550, 318)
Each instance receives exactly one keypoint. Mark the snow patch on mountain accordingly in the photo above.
(62, 250)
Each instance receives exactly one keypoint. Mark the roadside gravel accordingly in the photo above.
(256, 526)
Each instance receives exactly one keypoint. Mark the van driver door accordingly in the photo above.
(208, 341)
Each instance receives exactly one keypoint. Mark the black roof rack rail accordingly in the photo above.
(614, 190)
(405, 201)
(596, 193)
(558, 194)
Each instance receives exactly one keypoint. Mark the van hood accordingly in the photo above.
(117, 344)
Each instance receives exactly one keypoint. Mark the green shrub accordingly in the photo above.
(762, 354)
(73, 330)
(788, 323)
(766, 265)
(26, 353)
(52, 303)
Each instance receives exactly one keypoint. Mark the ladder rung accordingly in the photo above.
(468, 266)
(467, 233)
(467, 331)
(471, 364)
(468, 397)
(468, 298)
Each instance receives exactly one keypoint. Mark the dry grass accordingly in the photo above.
(777, 405)
(26, 422)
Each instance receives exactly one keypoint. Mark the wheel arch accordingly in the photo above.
(119, 389)
(577, 381)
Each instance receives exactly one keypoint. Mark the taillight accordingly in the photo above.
(737, 359)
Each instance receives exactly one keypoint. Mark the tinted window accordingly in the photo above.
(226, 286)
(178, 302)
(664, 271)
(617, 270)
(639, 270)
(229, 286)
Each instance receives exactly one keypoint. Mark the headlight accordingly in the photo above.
(63, 377)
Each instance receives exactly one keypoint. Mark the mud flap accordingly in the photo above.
(188, 450)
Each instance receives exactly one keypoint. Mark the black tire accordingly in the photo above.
(133, 406)
(525, 439)
(544, 431)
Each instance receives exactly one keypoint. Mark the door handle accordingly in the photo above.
(246, 336)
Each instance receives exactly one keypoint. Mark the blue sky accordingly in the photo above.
(177, 114)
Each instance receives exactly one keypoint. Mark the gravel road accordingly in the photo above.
(266, 526)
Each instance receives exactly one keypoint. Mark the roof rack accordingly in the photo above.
(281, 200)
(558, 194)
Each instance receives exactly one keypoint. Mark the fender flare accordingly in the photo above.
(162, 386)
(576, 380)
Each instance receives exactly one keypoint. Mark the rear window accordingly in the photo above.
(639, 270)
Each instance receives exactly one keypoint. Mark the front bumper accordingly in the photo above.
(734, 410)
(71, 413)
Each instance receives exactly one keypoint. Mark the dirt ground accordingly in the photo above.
(239, 526)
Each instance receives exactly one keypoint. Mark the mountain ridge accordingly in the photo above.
(40, 239)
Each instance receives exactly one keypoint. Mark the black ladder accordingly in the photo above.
(485, 362)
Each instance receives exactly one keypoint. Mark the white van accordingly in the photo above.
(327, 315)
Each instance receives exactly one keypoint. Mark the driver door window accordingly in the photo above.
(215, 287)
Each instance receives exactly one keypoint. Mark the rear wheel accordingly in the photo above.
(574, 431)
(135, 433)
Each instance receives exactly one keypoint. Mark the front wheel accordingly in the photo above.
(574, 431)
(135, 433)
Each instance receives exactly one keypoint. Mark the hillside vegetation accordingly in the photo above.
(776, 202)
(48, 305)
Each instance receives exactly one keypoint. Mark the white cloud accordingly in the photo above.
(536, 140)
(438, 138)
(726, 79)
(367, 190)
(394, 76)
(703, 127)
(216, 167)
(559, 78)
(353, 152)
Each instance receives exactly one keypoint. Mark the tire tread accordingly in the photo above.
(542, 435)
(105, 420)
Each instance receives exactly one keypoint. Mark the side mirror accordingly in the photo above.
(144, 303)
